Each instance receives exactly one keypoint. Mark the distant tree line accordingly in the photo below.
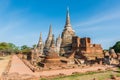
(8, 48)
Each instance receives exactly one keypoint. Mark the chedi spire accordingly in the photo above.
(53, 42)
(67, 35)
(40, 40)
(49, 38)
(40, 45)
(58, 43)
(68, 24)
(50, 31)
(68, 19)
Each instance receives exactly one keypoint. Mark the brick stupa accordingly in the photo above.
(52, 59)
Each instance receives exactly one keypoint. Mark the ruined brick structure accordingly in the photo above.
(87, 47)
(84, 49)
(84, 45)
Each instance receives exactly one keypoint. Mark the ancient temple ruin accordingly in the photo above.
(66, 49)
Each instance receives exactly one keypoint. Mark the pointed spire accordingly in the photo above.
(49, 38)
(40, 40)
(50, 30)
(59, 36)
(40, 45)
(58, 43)
(40, 37)
(53, 41)
(67, 19)
(58, 39)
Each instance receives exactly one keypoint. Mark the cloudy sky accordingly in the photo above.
(21, 21)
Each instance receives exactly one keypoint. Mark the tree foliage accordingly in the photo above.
(25, 49)
(34, 46)
(8, 47)
(12, 48)
(116, 47)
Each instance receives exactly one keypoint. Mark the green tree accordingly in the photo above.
(8, 47)
(25, 49)
(116, 47)
(34, 46)
(12, 48)
(3, 46)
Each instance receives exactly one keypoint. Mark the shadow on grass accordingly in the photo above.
(117, 71)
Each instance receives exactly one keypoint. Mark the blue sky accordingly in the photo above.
(21, 21)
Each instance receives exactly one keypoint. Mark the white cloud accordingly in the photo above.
(102, 17)
(106, 35)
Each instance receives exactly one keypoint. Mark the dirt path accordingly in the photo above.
(18, 66)
(3, 63)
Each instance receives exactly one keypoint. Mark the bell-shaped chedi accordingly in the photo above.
(49, 39)
(53, 42)
(52, 59)
(51, 54)
(67, 35)
(40, 45)
(58, 44)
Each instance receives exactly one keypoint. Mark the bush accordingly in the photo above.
(116, 47)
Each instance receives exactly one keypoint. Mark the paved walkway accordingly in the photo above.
(18, 66)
